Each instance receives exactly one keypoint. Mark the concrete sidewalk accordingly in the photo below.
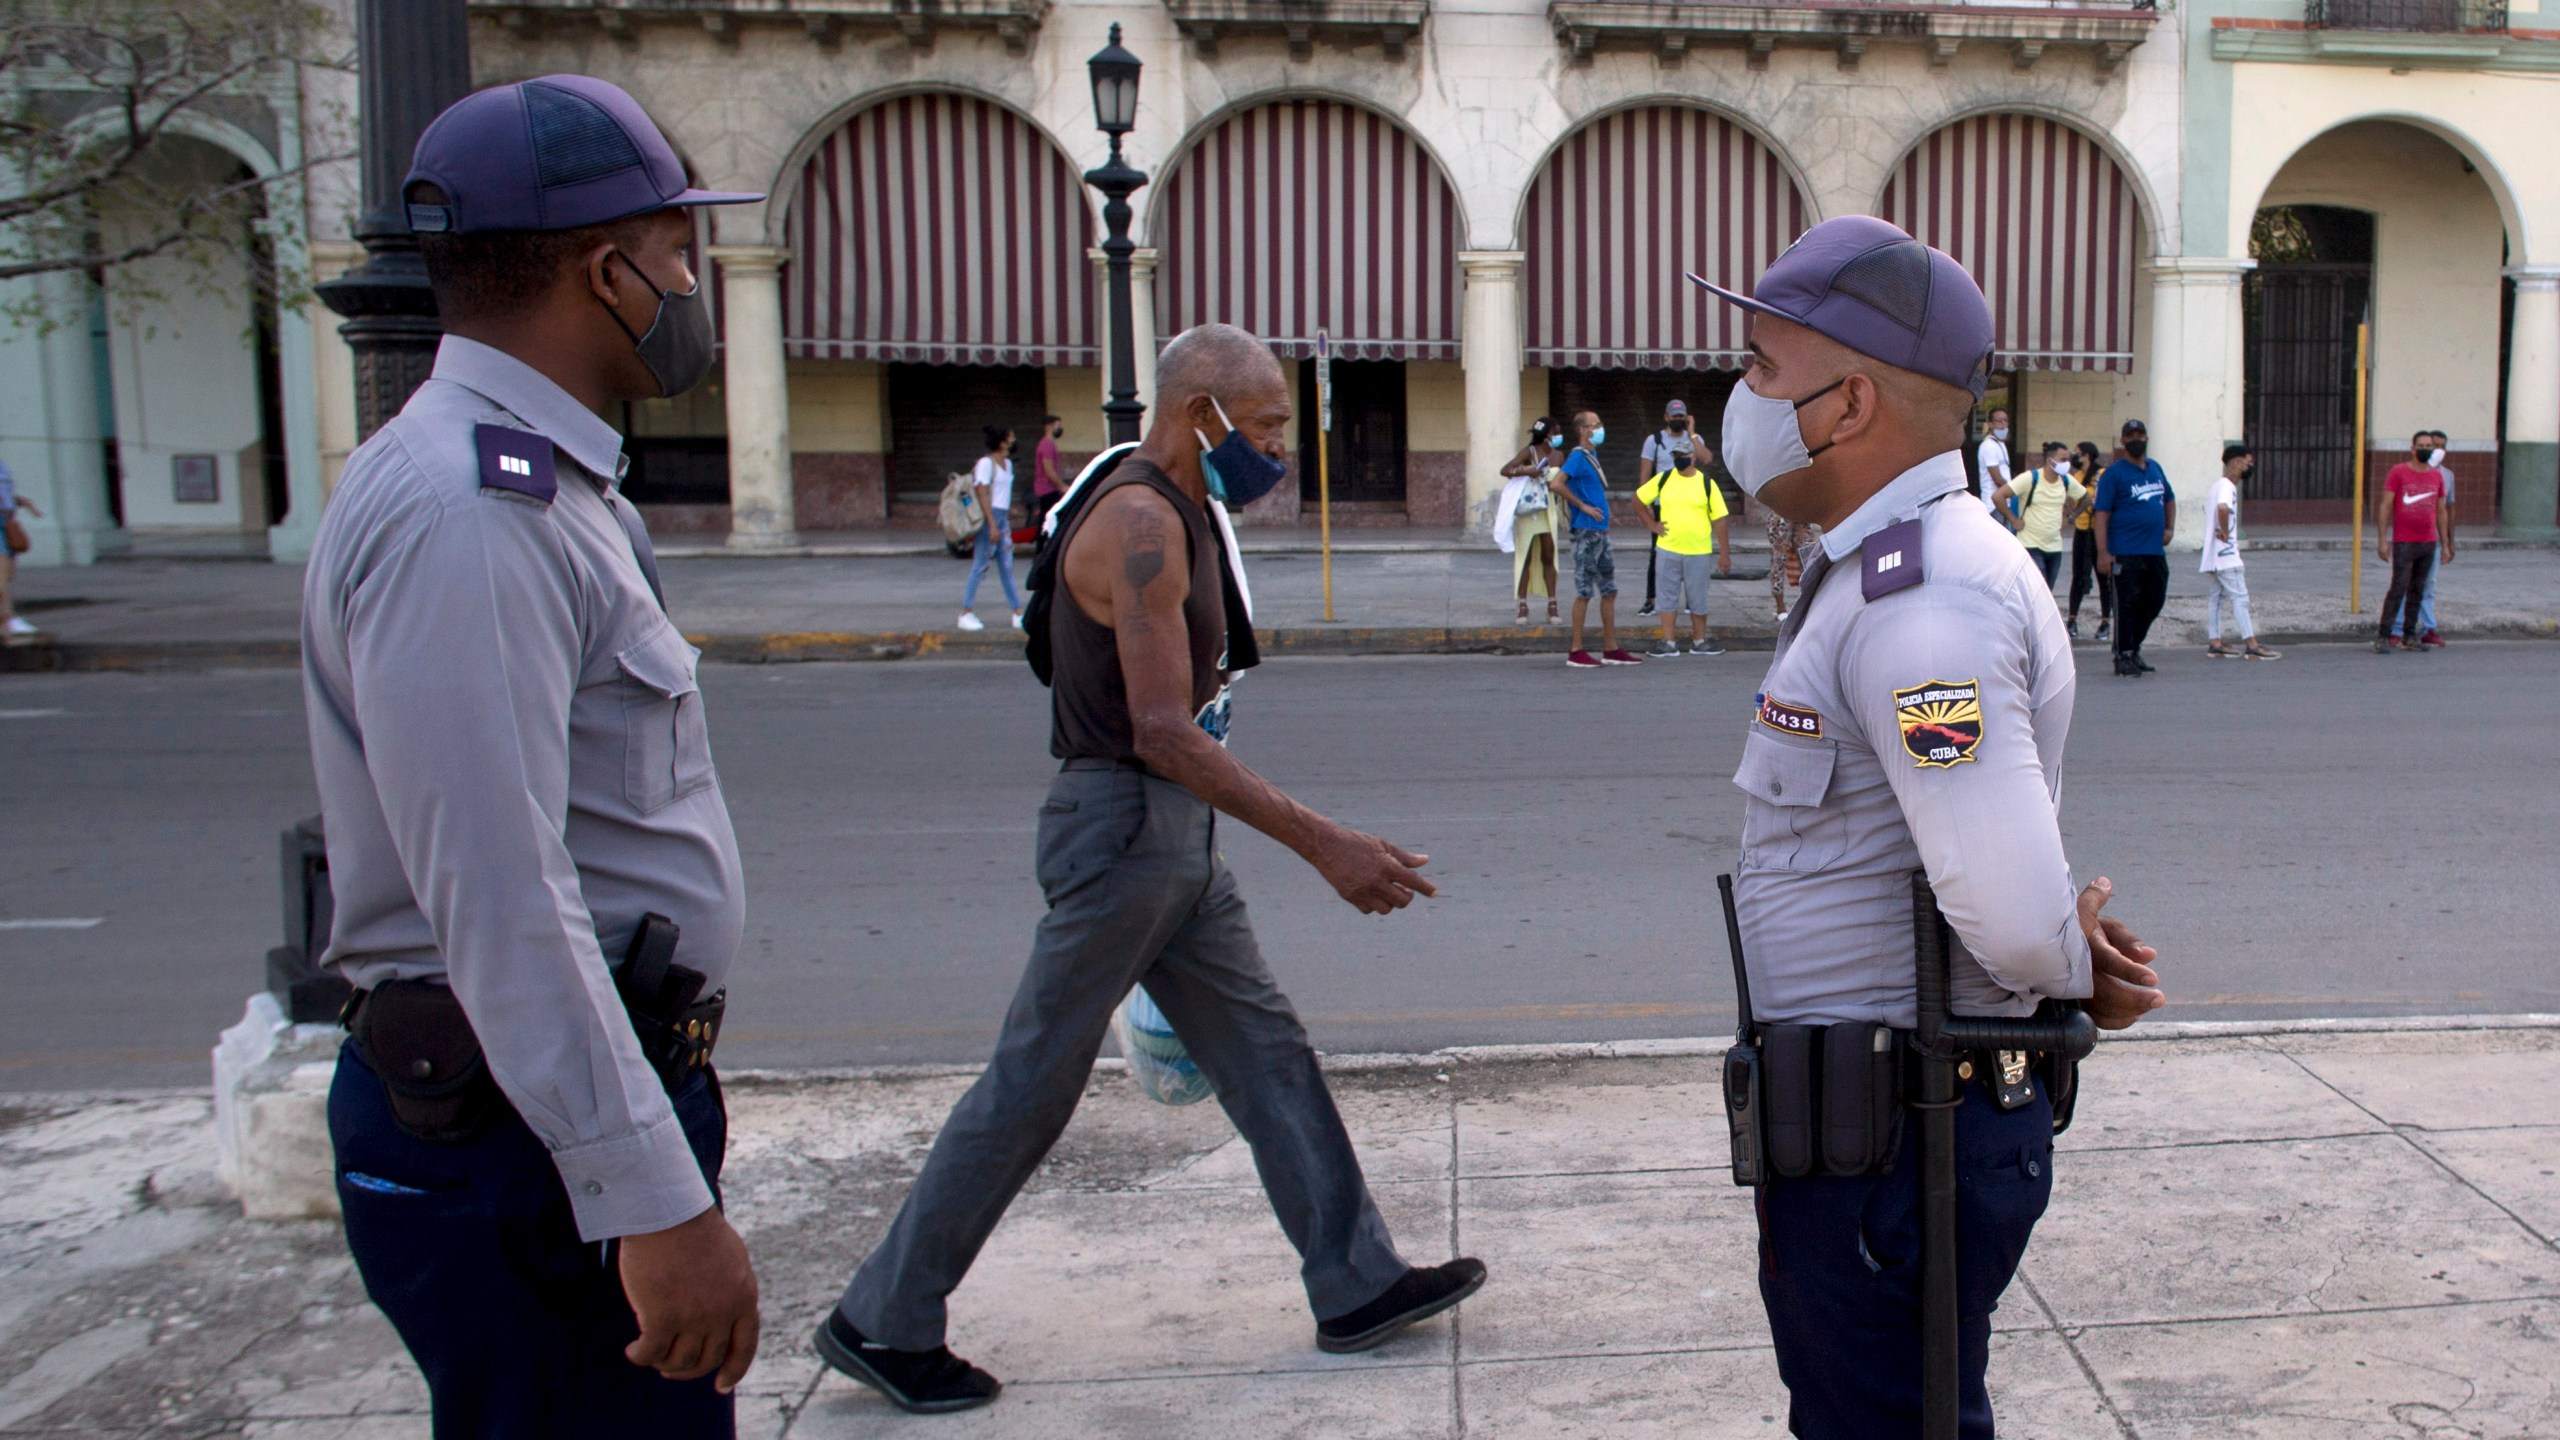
(2304, 1231)
(1412, 596)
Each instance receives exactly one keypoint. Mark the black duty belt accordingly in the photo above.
(420, 1042)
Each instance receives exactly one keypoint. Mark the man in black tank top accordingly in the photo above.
(1137, 894)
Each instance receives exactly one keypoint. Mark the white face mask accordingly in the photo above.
(2435, 457)
(2000, 433)
(1761, 438)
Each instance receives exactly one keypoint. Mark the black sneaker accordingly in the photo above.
(1420, 1295)
(2071, 626)
(1705, 647)
(2106, 631)
(920, 1382)
(1645, 609)
(2126, 668)
(2142, 665)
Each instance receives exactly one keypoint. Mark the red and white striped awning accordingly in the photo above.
(2044, 220)
(1308, 214)
(1626, 205)
(944, 230)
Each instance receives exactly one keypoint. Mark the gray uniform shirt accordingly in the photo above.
(1913, 718)
(514, 767)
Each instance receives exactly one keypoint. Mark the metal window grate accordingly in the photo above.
(2428, 16)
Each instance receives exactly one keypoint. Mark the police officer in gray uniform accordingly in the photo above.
(537, 888)
(1913, 719)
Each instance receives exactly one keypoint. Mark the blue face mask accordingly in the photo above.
(1555, 442)
(1238, 474)
(1600, 436)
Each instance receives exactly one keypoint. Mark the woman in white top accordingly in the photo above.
(1528, 517)
(993, 478)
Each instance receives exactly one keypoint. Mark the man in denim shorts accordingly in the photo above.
(1595, 568)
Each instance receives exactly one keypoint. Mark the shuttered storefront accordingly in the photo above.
(943, 230)
(1306, 214)
(2044, 220)
(1625, 206)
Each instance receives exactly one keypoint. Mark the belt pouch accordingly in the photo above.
(422, 1046)
(1788, 1056)
(1859, 1065)
(1743, 1103)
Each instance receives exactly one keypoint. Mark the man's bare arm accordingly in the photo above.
(1142, 555)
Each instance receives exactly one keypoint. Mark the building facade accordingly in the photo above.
(2179, 214)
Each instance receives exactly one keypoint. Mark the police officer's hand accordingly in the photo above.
(695, 1293)
(2126, 988)
(1375, 876)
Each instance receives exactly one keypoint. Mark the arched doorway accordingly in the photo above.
(2385, 222)
(2051, 227)
(937, 285)
(194, 424)
(1623, 209)
(1310, 214)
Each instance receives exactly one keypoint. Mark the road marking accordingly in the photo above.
(89, 923)
(28, 714)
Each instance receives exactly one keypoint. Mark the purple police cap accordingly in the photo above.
(554, 153)
(1867, 284)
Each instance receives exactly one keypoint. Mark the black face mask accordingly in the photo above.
(677, 348)
(2136, 448)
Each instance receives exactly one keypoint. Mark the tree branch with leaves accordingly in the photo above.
(103, 104)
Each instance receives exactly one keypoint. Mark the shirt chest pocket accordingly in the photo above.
(1787, 826)
(666, 747)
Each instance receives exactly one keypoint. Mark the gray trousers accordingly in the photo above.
(1137, 895)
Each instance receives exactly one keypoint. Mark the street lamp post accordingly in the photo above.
(1115, 113)
(413, 59)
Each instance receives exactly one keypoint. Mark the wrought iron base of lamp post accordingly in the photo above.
(391, 326)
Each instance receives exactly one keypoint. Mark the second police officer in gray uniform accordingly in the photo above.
(538, 892)
(1913, 719)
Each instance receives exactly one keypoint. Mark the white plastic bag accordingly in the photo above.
(1163, 1068)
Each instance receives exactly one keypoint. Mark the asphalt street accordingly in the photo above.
(2333, 834)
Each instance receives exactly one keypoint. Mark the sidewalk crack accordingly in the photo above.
(2071, 1344)
(2402, 1134)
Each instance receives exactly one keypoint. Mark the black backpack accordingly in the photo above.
(1042, 583)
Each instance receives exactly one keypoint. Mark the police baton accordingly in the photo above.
(1941, 1042)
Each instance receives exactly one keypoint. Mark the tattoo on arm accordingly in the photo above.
(1142, 549)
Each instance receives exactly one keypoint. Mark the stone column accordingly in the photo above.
(1489, 348)
(2529, 461)
(1142, 322)
(2193, 373)
(760, 504)
(50, 430)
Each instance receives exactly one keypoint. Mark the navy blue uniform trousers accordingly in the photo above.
(1840, 1273)
(472, 1252)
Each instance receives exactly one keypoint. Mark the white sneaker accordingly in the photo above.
(970, 621)
(18, 626)
(1017, 619)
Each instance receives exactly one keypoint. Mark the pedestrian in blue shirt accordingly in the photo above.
(1595, 566)
(2136, 513)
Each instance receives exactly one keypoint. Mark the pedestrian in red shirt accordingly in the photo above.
(1046, 484)
(2409, 530)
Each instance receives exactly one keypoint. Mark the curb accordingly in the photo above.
(1691, 1047)
(49, 656)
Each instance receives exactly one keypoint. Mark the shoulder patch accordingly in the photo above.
(1892, 560)
(1789, 719)
(1941, 721)
(517, 460)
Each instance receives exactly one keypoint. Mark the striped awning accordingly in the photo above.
(943, 230)
(2044, 220)
(1309, 214)
(1626, 205)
